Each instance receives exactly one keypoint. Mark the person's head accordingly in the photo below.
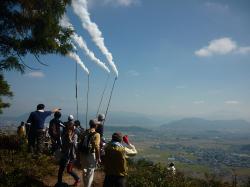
(93, 123)
(77, 123)
(117, 137)
(171, 164)
(71, 117)
(22, 123)
(40, 107)
(57, 115)
(101, 117)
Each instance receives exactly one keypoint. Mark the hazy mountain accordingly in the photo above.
(113, 119)
(126, 129)
(198, 125)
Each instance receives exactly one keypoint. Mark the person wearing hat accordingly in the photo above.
(90, 156)
(37, 128)
(68, 123)
(115, 163)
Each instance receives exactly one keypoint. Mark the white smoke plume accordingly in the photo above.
(82, 44)
(76, 58)
(81, 9)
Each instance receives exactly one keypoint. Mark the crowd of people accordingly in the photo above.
(70, 141)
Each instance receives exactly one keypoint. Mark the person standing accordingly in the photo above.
(37, 129)
(55, 131)
(21, 132)
(171, 168)
(115, 163)
(90, 153)
(100, 129)
(100, 126)
(68, 154)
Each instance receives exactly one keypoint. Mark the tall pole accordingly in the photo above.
(111, 93)
(106, 85)
(76, 82)
(87, 107)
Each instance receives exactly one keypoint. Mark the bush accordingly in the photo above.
(143, 173)
(19, 168)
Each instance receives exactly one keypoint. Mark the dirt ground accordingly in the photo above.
(98, 179)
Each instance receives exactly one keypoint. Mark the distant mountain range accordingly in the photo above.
(201, 125)
(128, 119)
(113, 119)
(126, 129)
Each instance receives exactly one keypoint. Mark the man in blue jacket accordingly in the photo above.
(37, 128)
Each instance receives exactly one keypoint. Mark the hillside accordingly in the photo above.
(196, 125)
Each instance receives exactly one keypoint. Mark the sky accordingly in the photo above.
(175, 59)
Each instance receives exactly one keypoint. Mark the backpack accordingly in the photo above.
(53, 128)
(85, 145)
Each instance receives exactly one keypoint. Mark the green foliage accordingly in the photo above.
(30, 27)
(144, 173)
(19, 168)
(4, 91)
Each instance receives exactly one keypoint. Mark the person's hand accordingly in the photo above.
(125, 139)
(56, 110)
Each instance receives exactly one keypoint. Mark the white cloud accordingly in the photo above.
(199, 102)
(221, 46)
(125, 3)
(217, 6)
(121, 3)
(35, 74)
(133, 73)
(243, 50)
(232, 102)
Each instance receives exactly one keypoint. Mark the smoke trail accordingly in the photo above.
(80, 8)
(82, 44)
(76, 58)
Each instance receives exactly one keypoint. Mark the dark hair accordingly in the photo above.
(117, 137)
(77, 123)
(40, 106)
(171, 164)
(92, 123)
(57, 115)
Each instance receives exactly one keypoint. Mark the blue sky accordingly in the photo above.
(175, 59)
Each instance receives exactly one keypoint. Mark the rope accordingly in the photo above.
(76, 81)
(87, 103)
(106, 85)
(111, 93)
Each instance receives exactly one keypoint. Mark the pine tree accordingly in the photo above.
(29, 27)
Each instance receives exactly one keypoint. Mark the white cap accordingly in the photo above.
(71, 117)
(101, 117)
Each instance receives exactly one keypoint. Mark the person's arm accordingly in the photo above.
(29, 121)
(56, 110)
(130, 150)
